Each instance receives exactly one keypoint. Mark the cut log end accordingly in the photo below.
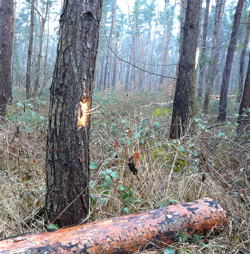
(125, 234)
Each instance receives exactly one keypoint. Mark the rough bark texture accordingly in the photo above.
(67, 198)
(242, 60)
(6, 44)
(126, 234)
(219, 9)
(203, 51)
(183, 103)
(229, 61)
(30, 49)
(244, 112)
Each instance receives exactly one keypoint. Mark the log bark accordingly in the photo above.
(125, 234)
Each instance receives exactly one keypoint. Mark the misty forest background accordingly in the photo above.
(139, 45)
(133, 93)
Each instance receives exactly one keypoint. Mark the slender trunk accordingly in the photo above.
(183, 101)
(40, 49)
(67, 155)
(30, 49)
(203, 51)
(6, 45)
(229, 61)
(242, 61)
(127, 81)
(46, 75)
(244, 113)
(100, 82)
(114, 77)
(213, 65)
(106, 82)
(166, 39)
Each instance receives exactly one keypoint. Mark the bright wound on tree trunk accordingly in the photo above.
(82, 113)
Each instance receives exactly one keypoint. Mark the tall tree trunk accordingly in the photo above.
(182, 21)
(67, 157)
(6, 45)
(166, 36)
(213, 63)
(46, 73)
(106, 82)
(229, 61)
(100, 84)
(183, 100)
(30, 49)
(114, 77)
(242, 60)
(40, 49)
(203, 51)
(244, 113)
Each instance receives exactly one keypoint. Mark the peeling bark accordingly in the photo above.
(125, 234)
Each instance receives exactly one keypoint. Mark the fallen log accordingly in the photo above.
(125, 234)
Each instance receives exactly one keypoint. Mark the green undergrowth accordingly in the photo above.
(134, 167)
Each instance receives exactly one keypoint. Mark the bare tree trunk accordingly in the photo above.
(100, 84)
(30, 50)
(244, 113)
(213, 65)
(242, 61)
(183, 101)
(182, 20)
(229, 61)
(203, 51)
(106, 83)
(6, 45)
(46, 76)
(67, 159)
(166, 36)
(127, 80)
(114, 77)
(40, 49)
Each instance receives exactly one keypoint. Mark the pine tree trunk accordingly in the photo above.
(30, 50)
(183, 101)
(220, 4)
(40, 49)
(203, 51)
(242, 61)
(67, 159)
(229, 61)
(6, 44)
(244, 113)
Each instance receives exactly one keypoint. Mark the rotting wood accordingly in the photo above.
(125, 234)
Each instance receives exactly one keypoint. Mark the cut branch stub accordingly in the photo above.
(125, 234)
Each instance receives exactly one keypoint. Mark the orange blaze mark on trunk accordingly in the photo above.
(82, 114)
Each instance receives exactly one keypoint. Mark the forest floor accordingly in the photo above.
(210, 161)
